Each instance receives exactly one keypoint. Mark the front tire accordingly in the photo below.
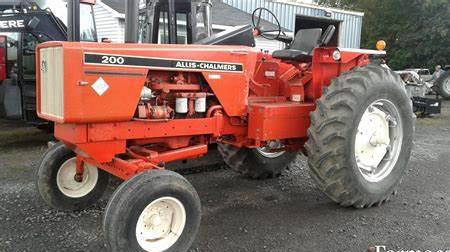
(153, 211)
(56, 184)
(361, 136)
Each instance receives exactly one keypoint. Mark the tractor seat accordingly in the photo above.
(292, 55)
(304, 43)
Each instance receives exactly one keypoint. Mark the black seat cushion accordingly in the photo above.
(292, 55)
(302, 47)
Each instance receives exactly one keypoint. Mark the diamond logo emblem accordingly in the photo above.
(100, 86)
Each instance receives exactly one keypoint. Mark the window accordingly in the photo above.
(28, 53)
(181, 28)
(424, 72)
(87, 23)
(58, 8)
(12, 39)
(163, 28)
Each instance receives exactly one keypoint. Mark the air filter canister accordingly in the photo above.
(181, 105)
(200, 105)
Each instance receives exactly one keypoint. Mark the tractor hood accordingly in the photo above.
(80, 82)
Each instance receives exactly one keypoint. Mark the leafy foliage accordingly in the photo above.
(417, 32)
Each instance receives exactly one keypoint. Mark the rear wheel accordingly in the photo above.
(56, 184)
(260, 163)
(153, 211)
(443, 85)
(361, 137)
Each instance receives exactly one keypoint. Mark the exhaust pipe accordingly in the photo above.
(131, 21)
(207, 18)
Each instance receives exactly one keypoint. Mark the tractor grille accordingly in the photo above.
(52, 82)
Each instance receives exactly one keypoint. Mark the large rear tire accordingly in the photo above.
(153, 211)
(361, 136)
(256, 163)
(443, 85)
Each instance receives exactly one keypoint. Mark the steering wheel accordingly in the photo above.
(266, 33)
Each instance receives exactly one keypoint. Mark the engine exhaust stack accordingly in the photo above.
(207, 17)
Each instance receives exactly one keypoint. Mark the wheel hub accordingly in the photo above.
(372, 138)
(270, 150)
(376, 136)
(160, 224)
(155, 220)
(76, 186)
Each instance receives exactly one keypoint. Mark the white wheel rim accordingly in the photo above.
(378, 140)
(268, 150)
(160, 224)
(65, 179)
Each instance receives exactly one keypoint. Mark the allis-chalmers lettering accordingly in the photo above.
(158, 63)
(206, 66)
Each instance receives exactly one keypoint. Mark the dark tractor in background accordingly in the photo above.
(23, 25)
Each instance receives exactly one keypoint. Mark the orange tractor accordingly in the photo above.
(128, 109)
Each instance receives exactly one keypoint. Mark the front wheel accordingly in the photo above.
(153, 211)
(361, 137)
(56, 183)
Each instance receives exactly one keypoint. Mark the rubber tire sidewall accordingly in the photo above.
(331, 136)
(252, 164)
(47, 186)
(276, 165)
(134, 195)
(379, 189)
(440, 85)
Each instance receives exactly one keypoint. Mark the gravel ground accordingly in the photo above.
(284, 214)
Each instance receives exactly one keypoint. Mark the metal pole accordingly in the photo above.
(172, 22)
(73, 20)
(131, 21)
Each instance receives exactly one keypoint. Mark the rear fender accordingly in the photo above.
(325, 67)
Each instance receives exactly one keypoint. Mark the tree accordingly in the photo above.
(417, 32)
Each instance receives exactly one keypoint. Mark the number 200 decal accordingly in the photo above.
(113, 60)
